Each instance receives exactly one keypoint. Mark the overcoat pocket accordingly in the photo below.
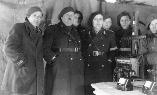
(26, 74)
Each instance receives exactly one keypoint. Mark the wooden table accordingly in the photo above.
(109, 88)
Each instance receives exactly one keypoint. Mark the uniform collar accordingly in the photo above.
(30, 26)
(64, 27)
(128, 29)
(101, 31)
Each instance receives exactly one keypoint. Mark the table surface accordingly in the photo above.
(109, 88)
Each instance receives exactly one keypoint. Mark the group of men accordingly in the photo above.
(75, 56)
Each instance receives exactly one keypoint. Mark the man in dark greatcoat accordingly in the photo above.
(64, 68)
(24, 73)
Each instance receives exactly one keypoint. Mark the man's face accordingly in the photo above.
(107, 23)
(35, 18)
(76, 19)
(153, 26)
(67, 18)
(125, 22)
(98, 21)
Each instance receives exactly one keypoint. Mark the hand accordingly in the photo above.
(54, 58)
(109, 60)
(20, 63)
(21, 60)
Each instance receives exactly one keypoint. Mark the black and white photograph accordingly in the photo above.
(78, 47)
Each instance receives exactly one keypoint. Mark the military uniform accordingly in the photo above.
(83, 33)
(65, 75)
(123, 41)
(97, 67)
(152, 56)
(152, 48)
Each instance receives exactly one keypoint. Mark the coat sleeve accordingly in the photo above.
(113, 47)
(48, 40)
(112, 41)
(13, 46)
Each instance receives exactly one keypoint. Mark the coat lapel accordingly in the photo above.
(29, 29)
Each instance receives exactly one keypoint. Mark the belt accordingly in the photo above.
(97, 53)
(69, 49)
(96, 65)
(125, 49)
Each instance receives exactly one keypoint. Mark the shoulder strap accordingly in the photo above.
(92, 41)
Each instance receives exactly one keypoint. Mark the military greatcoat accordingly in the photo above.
(25, 69)
(65, 75)
(97, 67)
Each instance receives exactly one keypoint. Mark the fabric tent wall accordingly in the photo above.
(148, 2)
(54, 7)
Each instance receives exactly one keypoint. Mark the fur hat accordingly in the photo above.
(149, 19)
(32, 10)
(64, 11)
